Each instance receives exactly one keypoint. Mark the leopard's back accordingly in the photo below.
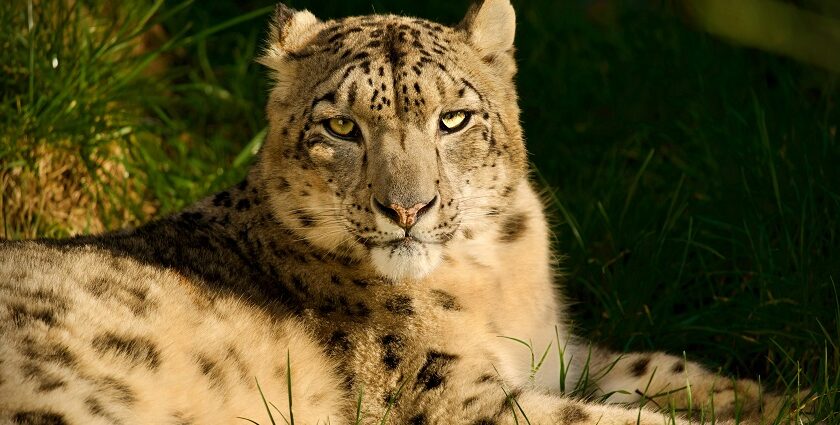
(90, 338)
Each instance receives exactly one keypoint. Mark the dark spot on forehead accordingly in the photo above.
(348, 70)
(351, 93)
(360, 56)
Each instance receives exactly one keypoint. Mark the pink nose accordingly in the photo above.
(402, 216)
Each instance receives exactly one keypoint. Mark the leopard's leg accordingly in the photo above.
(529, 406)
(670, 382)
(462, 384)
(488, 401)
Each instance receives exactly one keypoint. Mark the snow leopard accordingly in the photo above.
(386, 260)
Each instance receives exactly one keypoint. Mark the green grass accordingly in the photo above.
(698, 188)
(698, 191)
(80, 84)
(694, 184)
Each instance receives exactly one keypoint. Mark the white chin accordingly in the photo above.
(413, 260)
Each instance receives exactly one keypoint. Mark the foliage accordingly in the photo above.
(101, 126)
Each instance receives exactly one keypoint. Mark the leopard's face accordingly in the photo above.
(390, 136)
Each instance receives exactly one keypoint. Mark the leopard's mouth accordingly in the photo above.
(407, 242)
(406, 257)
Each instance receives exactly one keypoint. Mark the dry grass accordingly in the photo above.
(59, 195)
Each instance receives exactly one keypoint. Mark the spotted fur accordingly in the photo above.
(307, 273)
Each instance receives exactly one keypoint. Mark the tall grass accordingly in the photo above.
(102, 123)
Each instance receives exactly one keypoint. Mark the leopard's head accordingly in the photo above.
(391, 136)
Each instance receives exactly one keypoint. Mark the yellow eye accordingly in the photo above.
(451, 122)
(342, 128)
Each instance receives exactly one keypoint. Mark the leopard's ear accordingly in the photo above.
(490, 26)
(289, 32)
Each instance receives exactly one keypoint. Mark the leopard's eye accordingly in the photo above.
(342, 128)
(451, 122)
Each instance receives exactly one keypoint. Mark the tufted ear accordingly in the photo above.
(290, 30)
(490, 26)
